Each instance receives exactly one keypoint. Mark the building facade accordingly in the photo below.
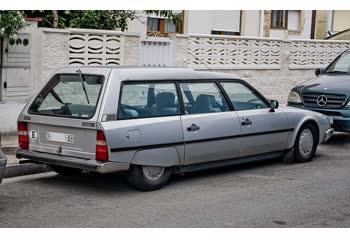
(291, 24)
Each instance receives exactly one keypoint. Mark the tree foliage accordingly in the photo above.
(94, 19)
(10, 23)
(175, 16)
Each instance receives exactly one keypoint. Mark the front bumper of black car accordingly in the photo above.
(340, 117)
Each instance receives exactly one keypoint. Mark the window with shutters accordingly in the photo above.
(226, 22)
(161, 27)
(279, 19)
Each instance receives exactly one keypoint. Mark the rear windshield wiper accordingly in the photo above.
(82, 79)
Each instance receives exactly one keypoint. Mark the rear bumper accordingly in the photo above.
(2, 168)
(88, 165)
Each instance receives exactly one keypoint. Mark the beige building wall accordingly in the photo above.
(341, 20)
(333, 21)
(321, 24)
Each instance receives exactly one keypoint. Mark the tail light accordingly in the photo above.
(101, 147)
(23, 140)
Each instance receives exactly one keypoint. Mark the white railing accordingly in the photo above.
(94, 47)
(225, 52)
(232, 52)
(309, 54)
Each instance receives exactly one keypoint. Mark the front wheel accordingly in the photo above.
(149, 178)
(305, 145)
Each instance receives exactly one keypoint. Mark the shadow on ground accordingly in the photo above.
(118, 183)
(339, 139)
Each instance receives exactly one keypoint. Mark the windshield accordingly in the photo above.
(64, 96)
(341, 65)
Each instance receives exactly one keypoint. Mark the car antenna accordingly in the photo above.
(82, 83)
(199, 60)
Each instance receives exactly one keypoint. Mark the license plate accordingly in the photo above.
(60, 137)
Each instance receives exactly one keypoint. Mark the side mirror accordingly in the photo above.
(274, 105)
(319, 71)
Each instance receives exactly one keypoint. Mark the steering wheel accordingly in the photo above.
(257, 106)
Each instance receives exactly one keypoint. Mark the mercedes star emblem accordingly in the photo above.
(322, 100)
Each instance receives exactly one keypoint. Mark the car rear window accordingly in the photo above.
(64, 96)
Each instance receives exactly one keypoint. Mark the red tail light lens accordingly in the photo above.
(101, 147)
(23, 140)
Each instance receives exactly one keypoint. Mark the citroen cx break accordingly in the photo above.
(328, 93)
(153, 122)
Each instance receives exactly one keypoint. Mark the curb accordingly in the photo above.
(16, 170)
(9, 150)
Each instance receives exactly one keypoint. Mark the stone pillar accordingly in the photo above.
(285, 54)
(131, 49)
(267, 23)
(180, 54)
(54, 52)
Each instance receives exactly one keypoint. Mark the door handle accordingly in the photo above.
(193, 128)
(247, 122)
(5, 85)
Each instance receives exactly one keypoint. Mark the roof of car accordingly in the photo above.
(134, 73)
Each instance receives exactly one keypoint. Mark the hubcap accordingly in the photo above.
(306, 142)
(152, 172)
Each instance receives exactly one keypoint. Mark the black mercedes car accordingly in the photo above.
(328, 93)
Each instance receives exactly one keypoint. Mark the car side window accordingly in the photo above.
(148, 100)
(242, 97)
(203, 98)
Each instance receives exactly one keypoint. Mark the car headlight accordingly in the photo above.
(294, 97)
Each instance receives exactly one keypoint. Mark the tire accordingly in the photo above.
(305, 145)
(66, 171)
(149, 178)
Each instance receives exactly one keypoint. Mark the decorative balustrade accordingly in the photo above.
(314, 54)
(93, 48)
(224, 52)
(228, 52)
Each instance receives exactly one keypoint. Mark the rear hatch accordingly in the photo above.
(62, 119)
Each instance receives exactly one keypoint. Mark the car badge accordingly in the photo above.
(59, 150)
(322, 100)
(325, 88)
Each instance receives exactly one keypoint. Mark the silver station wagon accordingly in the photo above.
(153, 122)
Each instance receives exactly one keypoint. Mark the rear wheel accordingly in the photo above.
(305, 145)
(149, 178)
(66, 171)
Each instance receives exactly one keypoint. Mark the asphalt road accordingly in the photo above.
(269, 194)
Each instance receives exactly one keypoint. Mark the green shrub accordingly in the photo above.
(10, 23)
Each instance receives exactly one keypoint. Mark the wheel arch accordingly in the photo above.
(293, 135)
(164, 157)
